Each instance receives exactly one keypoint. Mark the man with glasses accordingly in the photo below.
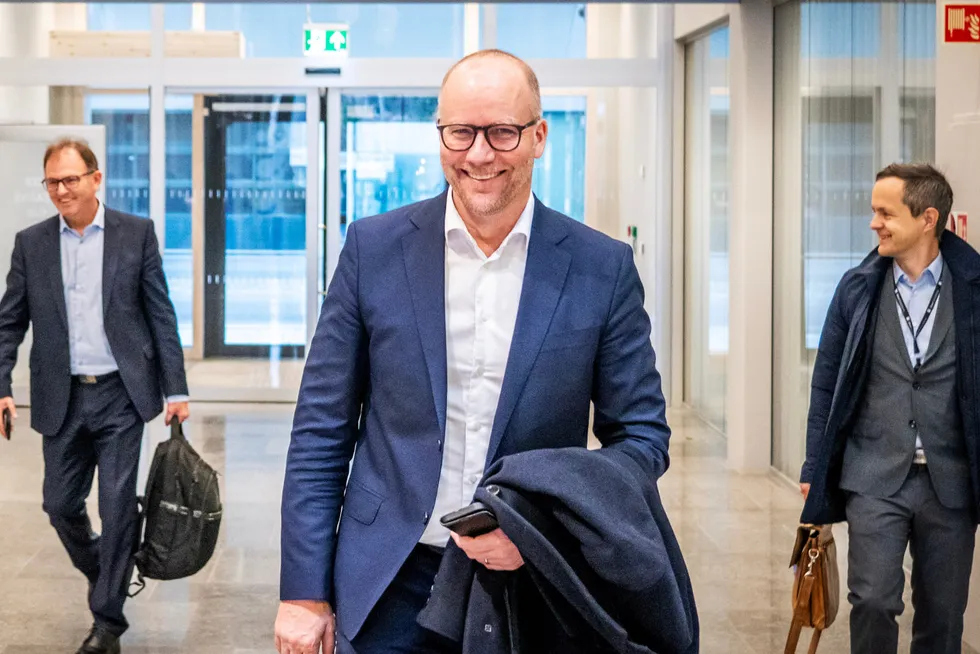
(105, 352)
(455, 331)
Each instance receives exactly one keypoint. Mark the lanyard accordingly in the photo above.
(925, 318)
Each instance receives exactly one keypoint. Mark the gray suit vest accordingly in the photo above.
(900, 403)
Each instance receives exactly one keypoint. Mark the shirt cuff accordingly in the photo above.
(178, 398)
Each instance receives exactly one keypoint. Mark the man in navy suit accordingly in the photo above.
(455, 331)
(105, 353)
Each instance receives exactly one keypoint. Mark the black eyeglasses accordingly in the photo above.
(502, 137)
(71, 182)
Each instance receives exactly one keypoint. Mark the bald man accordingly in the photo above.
(455, 331)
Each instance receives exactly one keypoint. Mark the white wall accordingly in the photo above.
(24, 33)
(690, 19)
(958, 156)
(627, 153)
(749, 394)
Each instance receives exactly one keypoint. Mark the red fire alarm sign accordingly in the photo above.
(962, 24)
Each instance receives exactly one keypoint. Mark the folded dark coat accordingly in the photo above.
(603, 571)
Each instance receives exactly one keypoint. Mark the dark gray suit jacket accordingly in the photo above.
(140, 322)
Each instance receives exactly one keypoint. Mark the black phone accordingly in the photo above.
(473, 520)
(8, 424)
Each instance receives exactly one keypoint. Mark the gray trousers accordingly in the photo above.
(941, 542)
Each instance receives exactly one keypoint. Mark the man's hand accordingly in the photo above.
(804, 490)
(304, 627)
(7, 404)
(494, 550)
(182, 410)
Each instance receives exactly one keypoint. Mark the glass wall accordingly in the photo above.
(541, 30)
(178, 260)
(854, 91)
(707, 181)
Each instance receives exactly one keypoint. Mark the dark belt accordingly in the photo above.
(96, 379)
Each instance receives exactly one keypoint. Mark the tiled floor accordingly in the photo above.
(735, 532)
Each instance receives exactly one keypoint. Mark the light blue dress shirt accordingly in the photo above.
(916, 297)
(81, 274)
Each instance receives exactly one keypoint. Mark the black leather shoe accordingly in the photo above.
(99, 641)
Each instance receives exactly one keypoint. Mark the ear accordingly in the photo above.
(540, 138)
(931, 216)
(97, 178)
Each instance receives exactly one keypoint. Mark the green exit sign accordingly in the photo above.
(325, 39)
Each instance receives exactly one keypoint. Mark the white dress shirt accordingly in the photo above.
(82, 257)
(482, 296)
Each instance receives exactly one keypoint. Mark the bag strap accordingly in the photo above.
(803, 608)
(815, 640)
(176, 430)
(793, 638)
(139, 585)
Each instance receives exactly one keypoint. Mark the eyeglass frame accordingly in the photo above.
(48, 182)
(483, 128)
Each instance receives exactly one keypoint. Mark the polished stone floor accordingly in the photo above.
(736, 532)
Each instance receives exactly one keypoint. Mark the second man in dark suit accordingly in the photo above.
(894, 429)
(105, 353)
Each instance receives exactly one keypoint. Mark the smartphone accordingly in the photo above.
(473, 520)
(8, 424)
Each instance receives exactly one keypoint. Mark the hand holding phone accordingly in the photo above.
(473, 520)
(8, 424)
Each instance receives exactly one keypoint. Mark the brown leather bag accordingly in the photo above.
(816, 584)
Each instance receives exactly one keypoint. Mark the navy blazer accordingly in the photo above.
(602, 572)
(140, 322)
(375, 379)
(840, 372)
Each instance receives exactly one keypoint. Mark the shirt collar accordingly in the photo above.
(931, 273)
(98, 222)
(455, 226)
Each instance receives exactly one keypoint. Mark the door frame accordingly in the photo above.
(217, 122)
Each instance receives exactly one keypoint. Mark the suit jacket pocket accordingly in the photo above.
(361, 504)
(569, 339)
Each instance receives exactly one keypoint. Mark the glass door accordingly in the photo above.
(255, 226)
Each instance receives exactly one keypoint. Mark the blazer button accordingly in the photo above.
(912, 424)
(493, 490)
(916, 386)
(425, 520)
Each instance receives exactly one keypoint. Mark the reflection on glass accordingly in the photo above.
(559, 175)
(389, 154)
(834, 130)
(178, 261)
(707, 181)
(265, 234)
(126, 117)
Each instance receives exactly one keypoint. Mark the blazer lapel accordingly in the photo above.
(944, 316)
(425, 265)
(52, 251)
(544, 278)
(111, 246)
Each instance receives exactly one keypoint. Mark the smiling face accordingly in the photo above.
(489, 183)
(899, 232)
(72, 185)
